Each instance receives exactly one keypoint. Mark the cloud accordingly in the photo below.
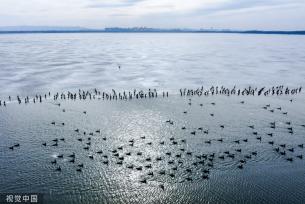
(238, 5)
(113, 4)
(154, 13)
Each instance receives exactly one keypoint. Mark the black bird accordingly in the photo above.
(139, 168)
(171, 175)
(251, 126)
(162, 172)
(130, 166)
(254, 153)
(143, 181)
(206, 171)
(188, 179)
(290, 159)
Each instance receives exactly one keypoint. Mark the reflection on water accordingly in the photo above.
(135, 153)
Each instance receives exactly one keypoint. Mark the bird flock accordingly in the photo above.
(153, 93)
(176, 162)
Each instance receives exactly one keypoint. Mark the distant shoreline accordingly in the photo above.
(158, 31)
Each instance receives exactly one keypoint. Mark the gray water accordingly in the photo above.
(265, 178)
(39, 62)
(34, 63)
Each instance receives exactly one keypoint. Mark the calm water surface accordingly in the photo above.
(34, 63)
(266, 178)
(165, 61)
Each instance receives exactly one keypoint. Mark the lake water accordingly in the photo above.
(34, 62)
(222, 141)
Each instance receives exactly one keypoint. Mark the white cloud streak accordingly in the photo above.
(255, 14)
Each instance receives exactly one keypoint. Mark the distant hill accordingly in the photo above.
(58, 29)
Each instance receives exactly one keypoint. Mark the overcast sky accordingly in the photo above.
(235, 14)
